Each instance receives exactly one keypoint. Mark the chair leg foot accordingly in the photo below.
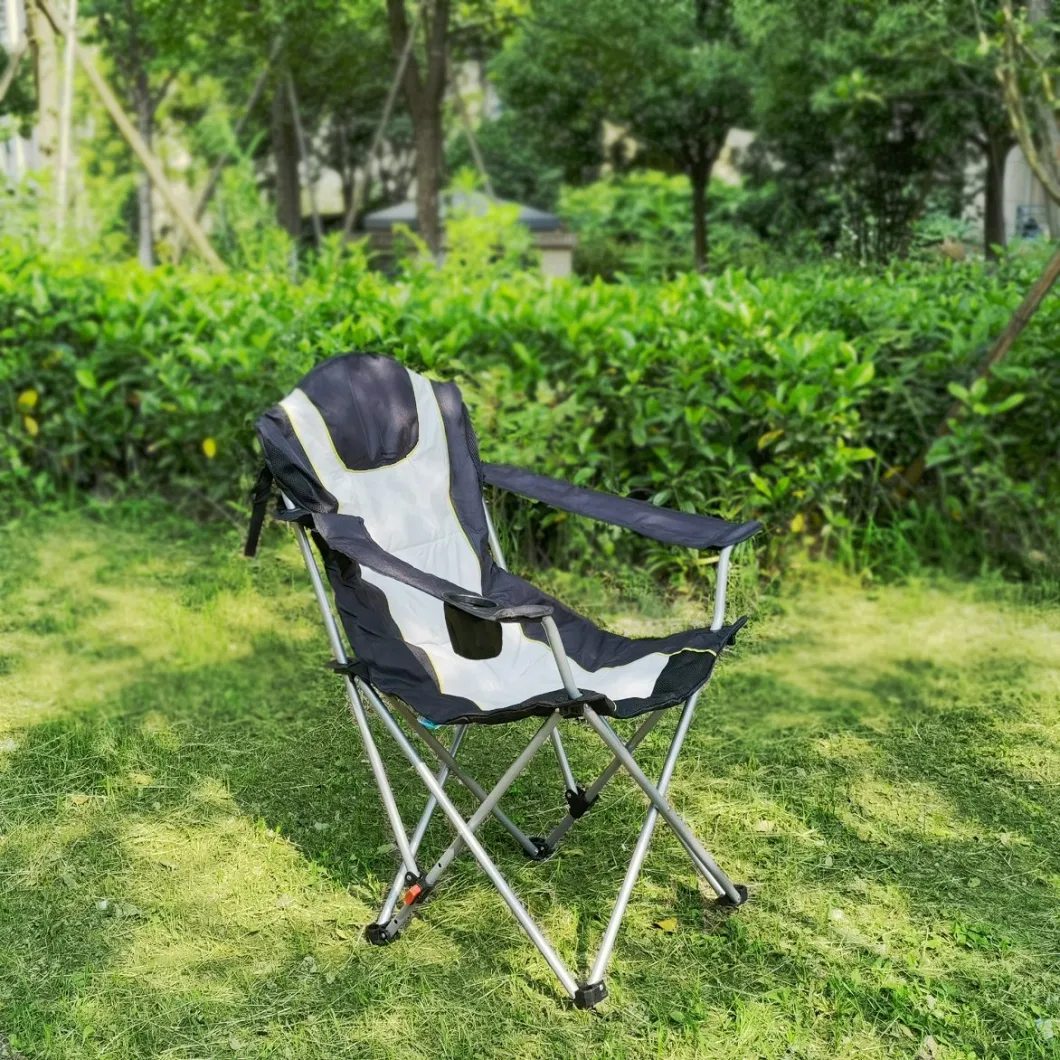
(727, 903)
(543, 849)
(382, 934)
(589, 995)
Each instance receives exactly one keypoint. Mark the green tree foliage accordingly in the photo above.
(1026, 52)
(674, 74)
(518, 162)
(18, 105)
(868, 113)
(149, 44)
(639, 225)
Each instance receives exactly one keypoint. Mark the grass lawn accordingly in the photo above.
(190, 841)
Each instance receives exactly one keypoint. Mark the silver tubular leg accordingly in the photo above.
(477, 850)
(636, 862)
(468, 781)
(397, 826)
(418, 833)
(491, 535)
(480, 815)
(564, 763)
(721, 587)
(604, 778)
(700, 857)
(555, 642)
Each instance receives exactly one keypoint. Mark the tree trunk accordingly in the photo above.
(699, 170)
(997, 149)
(429, 159)
(45, 49)
(424, 94)
(145, 214)
(285, 159)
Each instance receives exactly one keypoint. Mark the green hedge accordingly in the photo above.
(787, 399)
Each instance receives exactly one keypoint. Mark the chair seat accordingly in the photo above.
(622, 676)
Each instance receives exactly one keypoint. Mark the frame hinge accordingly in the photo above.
(577, 803)
(350, 668)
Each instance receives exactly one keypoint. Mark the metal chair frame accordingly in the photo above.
(412, 885)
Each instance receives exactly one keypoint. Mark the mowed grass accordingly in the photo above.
(190, 841)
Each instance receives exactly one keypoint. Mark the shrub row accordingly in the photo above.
(789, 399)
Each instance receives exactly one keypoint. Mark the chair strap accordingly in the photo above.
(260, 504)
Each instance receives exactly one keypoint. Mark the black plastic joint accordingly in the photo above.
(727, 902)
(577, 803)
(350, 668)
(543, 850)
(382, 934)
(590, 995)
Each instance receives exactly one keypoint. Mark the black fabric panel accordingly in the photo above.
(290, 465)
(348, 534)
(372, 632)
(465, 475)
(649, 520)
(369, 407)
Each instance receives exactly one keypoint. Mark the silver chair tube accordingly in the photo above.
(640, 851)
(604, 778)
(700, 857)
(419, 832)
(555, 642)
(557, 743)
(721, 588)
(564, 762)
(480, 815)
(397, 826)
(466, 779)
(494, 541)
(477, 850)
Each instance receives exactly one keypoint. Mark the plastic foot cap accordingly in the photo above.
(543, 849)
(741, 890)
(382, 934)
(590, 995)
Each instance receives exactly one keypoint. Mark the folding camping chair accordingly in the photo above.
(381, 466)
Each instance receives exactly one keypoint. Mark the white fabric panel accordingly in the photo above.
(407, 510)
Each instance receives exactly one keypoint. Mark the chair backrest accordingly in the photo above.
(363, 435)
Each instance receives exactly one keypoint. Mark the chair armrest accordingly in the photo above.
(483, 607)
(347, 535)
(648, 520)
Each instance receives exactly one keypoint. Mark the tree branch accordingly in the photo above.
(400, 35)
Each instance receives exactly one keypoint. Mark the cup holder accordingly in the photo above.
(479, 603)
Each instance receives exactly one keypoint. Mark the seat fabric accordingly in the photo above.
(362, 438)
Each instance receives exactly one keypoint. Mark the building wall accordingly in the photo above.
(557, 262)
(1022, 189)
